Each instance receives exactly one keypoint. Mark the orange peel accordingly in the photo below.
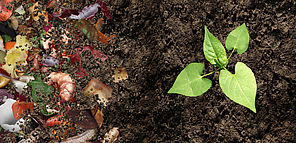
(9, 45)
(20, 107)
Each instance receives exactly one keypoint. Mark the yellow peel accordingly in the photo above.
(3, 81)
(16, 55)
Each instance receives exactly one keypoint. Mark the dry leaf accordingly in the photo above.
(98, 115)
(29, 31)
(87, 122)
(13, 22)
(91, 32)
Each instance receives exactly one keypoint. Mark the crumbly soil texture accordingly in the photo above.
(156, 39)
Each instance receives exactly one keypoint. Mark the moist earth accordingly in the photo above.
(157, 39)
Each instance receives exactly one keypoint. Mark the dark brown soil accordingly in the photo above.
(157, 39)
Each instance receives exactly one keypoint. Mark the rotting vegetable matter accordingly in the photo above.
(40, 62)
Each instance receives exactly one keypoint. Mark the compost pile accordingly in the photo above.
(47, 94)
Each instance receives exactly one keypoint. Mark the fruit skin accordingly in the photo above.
(16, 55)
(3, 81)
(9, 45)
(20, 107)
(5, 13)
(55, 120)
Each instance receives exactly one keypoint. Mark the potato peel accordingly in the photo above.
(120, 74)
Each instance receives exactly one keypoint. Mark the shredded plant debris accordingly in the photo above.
(43, 47)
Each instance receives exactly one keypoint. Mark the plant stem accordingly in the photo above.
(210, 73)
(231, 53)
(225, 69)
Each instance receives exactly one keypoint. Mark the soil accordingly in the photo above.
(157, 39)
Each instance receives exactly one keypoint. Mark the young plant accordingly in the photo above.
(240, 87)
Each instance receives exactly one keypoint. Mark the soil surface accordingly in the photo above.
(157, 39)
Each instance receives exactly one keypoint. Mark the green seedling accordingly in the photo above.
(240, 87)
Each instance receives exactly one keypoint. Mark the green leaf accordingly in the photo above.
(240, 87)
(45, 113)
(41, 87)
(6, 38)
(238, 39)
(190, 82)
(214, 50)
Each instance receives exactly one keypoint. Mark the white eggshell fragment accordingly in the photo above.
(7, 120)
(15, 127)
(6, 113)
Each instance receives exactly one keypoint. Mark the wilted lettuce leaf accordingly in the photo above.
(38, 86)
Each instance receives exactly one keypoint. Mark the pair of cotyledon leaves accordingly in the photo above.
(240, 87)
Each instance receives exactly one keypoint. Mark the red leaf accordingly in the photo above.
(96, 54)
(4, 73)
(76, 57)
(82, 73)
(20, 97)
(104, 9)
